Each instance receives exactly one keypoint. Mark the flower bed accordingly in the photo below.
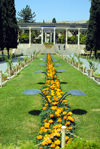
(55, 113)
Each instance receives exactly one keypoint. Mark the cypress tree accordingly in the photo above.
(93, 32)
(2, 25)
(11, 25)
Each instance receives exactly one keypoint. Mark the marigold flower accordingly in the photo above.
(59, 120)
(64, 112)
(44, 108)
(54, 108)
(70, 127)
(50, 121)
(57, 147)
(67, 123)
(45, 120)
(40, 147)
(65, 117)
(51, 115)
(39, 137)
(46, 125)
(70, 118)
(69, 113)
(52, 145)
(66, 138)
(57, 142)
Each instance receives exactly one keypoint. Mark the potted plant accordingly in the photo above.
(92, 68)
(10, 64)
(4, 76)
(97, 76)
(82, 68)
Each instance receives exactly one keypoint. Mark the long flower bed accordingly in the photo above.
(55, 113)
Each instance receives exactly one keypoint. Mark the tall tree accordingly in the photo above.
(53, 20)
(11, 25)
(26, 15)
(2, 25)
(93, 32)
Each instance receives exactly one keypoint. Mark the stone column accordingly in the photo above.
(67, 37)
(78, 37)
(41, 35)
(30, 35)
(45, 37)
(51, 37)
(54, 37)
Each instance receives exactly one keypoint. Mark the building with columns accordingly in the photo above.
(51, 28)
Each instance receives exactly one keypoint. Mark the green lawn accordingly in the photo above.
(19, 114)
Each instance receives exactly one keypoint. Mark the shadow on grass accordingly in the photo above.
(63, 82)
(35, 112)
(79, 111)
(40, 83)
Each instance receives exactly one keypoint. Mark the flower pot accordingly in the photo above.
(90, 72)
(4, 78)
(97, 78)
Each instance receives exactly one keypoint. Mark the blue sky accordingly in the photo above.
(67, 10)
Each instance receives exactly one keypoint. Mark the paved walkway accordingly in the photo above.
(3, 64)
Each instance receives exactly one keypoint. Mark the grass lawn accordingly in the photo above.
(19, 113)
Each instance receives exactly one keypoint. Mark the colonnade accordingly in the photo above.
(53, 33)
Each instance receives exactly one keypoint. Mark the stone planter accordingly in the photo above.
(4, 78)
(90, 72)
(11, 72)
(97, 78)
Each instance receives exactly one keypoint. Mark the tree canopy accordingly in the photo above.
(8, 25)
(53, 20)
(26, 15)
(93, 32)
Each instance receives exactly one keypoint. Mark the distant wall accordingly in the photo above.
(28, 49)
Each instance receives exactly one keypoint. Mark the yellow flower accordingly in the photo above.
(46, 125)
(67, 123)
(59, 120)
(69, 113)
(65, 112)
(51, 115)
(45, 120)
(70, 118)
(39, 137)
(44, 108)
(52, 145)
(57, 142)
(50, 121)
(65, 117)
(66, 138)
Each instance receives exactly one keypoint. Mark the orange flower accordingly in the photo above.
(65, 112)
(51, 115)
(44, 108)
(67, 123)
(69, 113)
(59, 120)
(57, 142)
(65, 117)
(40, 147)
(54, 108)
(66, 138)
(50, 121)
(70, 127)
(70, 118)
(39, 137)
(45, 120)
(52, 145)
(46, 125)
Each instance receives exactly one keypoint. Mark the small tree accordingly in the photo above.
(26, 15)
(53, 20)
